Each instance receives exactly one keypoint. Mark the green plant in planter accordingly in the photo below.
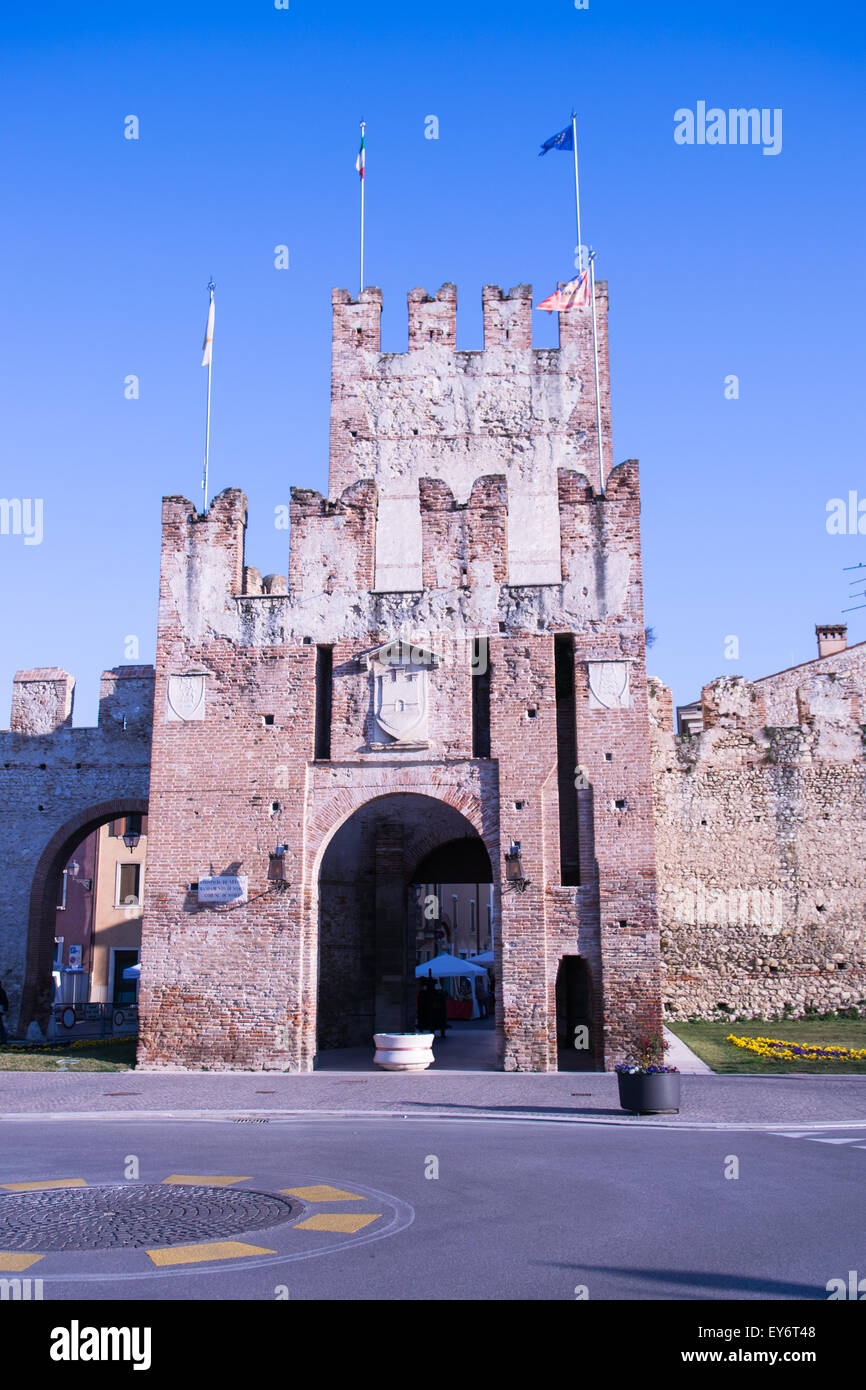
(647, 1056)
(646, 1085)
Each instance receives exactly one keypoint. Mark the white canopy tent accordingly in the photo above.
(448, 967)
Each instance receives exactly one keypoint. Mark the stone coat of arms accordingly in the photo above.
(609, 685)
(401, 700)
(401, 691)
(185, 697)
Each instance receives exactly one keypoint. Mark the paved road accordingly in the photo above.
(581, 1095)
(518, 1210)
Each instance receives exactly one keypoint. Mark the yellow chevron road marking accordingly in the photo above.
(199, 1254)
(191, 1180)
(322, 1193)
(10, 1261)
(49, 1182)
(337, 1221)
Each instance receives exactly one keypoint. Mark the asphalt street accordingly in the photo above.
(519, 1209)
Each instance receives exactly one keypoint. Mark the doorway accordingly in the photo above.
(373, 933)
(574, 1040)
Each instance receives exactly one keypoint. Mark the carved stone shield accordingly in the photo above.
(401, 699)
(185, 697)
(609, 685)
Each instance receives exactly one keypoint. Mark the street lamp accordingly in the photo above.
(131, 835)
(515, 879)
(277, 868)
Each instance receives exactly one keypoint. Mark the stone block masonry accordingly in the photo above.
(761, 846)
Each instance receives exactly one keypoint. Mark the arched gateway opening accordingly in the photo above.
(405, 877)
(84, 925)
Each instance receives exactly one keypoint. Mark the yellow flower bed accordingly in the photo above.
(778, 1050)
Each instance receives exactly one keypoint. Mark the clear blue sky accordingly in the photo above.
(719, 260)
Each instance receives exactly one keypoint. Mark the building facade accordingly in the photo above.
(451, 672)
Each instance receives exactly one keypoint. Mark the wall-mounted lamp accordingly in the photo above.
(132, 833)
(277, 868)
(73, 870)
(515, 879)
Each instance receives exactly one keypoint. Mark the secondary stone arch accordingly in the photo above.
(36, 993)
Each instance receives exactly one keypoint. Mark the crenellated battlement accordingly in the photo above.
(432, 321)
(43, 699)
(464, 544)
(508, 410)
(463, 563)
(507, 317)
(333, 542)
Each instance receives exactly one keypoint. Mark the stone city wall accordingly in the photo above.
(761, 851)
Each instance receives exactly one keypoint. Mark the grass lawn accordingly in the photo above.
(708, 1041)
(97, 1056)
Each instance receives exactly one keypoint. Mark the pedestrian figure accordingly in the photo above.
(4, 1005)
(425, 1006)
(439, 1017)
(481, 994)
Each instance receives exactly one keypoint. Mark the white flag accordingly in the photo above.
(208, 336)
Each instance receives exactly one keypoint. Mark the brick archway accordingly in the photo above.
(362, 960)
(333, 814)
(36, 994)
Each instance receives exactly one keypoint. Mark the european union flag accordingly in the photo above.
(563, 141)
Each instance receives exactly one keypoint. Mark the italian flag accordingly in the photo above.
(361, 161)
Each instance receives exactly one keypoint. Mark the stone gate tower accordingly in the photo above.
(451, 673)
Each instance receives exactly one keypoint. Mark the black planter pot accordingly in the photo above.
(650, 1093)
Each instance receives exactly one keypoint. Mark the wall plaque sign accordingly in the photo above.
(222, 888)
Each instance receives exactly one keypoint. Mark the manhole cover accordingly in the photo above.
(111, 1217)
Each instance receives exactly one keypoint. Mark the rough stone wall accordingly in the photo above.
(779, 691)
(57, 784)
(761, 847)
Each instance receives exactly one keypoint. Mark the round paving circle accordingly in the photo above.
(115, 1217)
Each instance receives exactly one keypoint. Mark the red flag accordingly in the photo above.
(574, 295)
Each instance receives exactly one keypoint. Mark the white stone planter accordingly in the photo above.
(403, 1051)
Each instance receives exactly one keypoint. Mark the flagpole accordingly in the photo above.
(211, 288)
(592, 298)
(595, 360)
(576, 190)
(363, 186)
